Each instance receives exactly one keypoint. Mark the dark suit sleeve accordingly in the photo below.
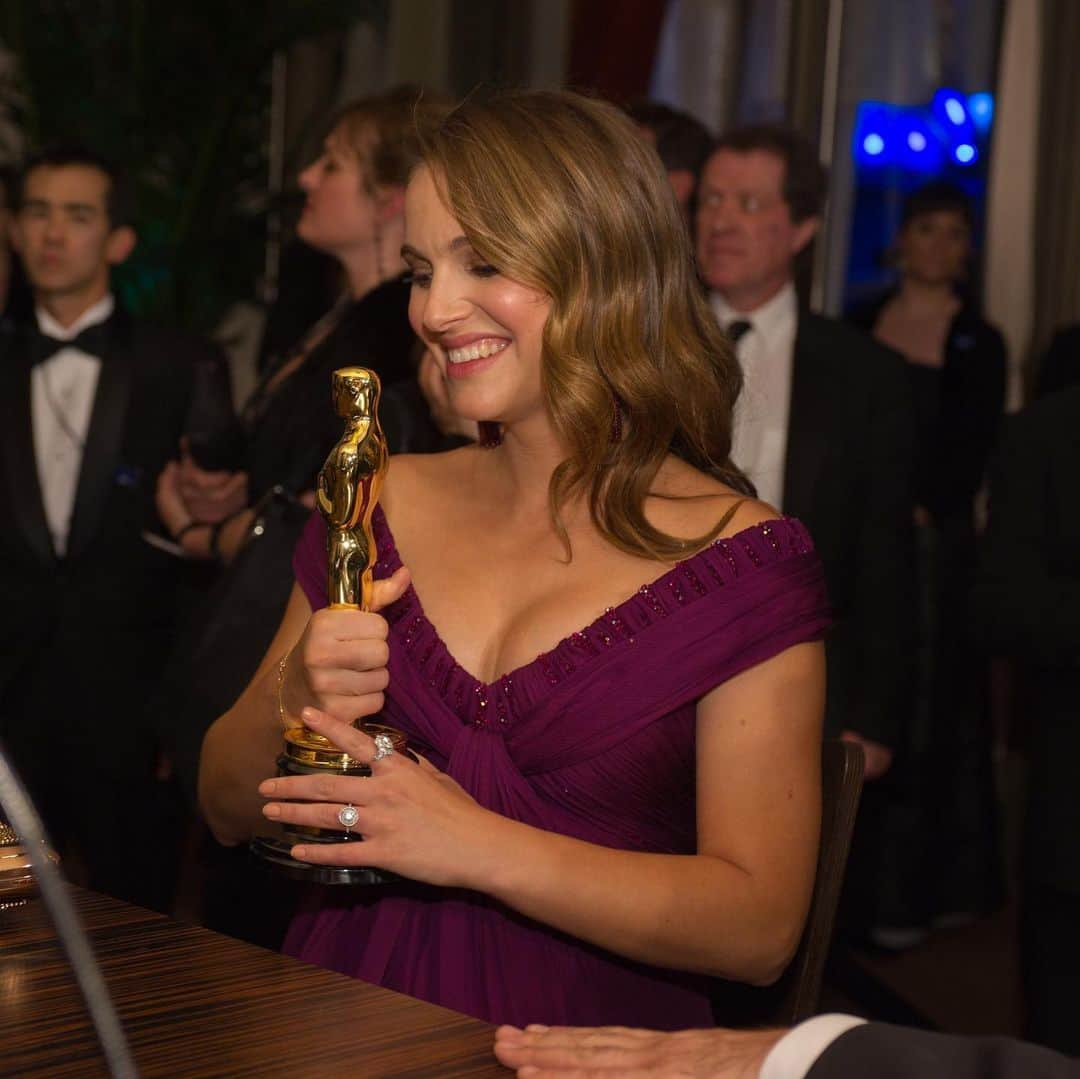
(882, 618)
(890, 1052)
(1022, 607)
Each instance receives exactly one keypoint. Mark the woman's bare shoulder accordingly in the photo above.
(415, 478)
(749, 512)
(690, 503)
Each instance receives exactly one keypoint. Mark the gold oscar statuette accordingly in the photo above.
(348, 490)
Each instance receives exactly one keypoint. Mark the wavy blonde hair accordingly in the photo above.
(560, 193)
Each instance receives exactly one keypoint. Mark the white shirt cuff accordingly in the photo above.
(797, 1051)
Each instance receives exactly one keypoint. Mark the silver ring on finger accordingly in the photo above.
(347, 817)
(384, 746)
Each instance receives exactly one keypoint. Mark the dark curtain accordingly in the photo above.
(807, 41)
(806, 65)
(1057, 225)
(613, 46)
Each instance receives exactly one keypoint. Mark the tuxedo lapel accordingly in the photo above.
(16, 420)
(104, 439)
(808, 419)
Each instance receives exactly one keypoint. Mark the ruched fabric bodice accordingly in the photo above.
(592, 739)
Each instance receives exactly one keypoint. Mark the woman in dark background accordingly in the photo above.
(957, 363)
(353, 212)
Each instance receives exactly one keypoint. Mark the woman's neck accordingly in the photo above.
(922, 296)
(522, 465)
(368, 266)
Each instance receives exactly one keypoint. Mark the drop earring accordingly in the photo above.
(490, 434)
(616, 419)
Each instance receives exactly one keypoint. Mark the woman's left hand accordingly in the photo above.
(415, 820)
(170, 503)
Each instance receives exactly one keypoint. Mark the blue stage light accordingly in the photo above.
(951, 121)
(965, 153)
(981, 108)
(876, 137)
(917, 141)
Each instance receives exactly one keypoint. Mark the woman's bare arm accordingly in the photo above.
(336, 662)
(240, 748)
(734, 909)
(737, 908)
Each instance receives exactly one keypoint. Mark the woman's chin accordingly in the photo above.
(475, 406)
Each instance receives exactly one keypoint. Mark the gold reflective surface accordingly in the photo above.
(346, 495)
(349, 486)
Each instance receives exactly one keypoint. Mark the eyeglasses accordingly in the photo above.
(746, 202)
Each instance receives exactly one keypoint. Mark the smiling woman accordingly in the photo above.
(606, 653)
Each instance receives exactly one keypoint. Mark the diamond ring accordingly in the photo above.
(384, 746)
(347, 816)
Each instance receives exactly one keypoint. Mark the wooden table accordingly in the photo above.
(195, 1003)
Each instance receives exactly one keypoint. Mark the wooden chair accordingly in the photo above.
(795, 995)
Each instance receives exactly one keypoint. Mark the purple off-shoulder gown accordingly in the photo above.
(594, 739)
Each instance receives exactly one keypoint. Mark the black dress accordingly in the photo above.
(1059, 367)
(291, 425)
(943, 779)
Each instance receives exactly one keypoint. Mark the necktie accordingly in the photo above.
(737, 329)
(92, 340)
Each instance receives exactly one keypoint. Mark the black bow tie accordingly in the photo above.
(92, 340)
(737, 329)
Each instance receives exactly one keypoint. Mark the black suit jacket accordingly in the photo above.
(82, 637)
(1059, 367)
(890, 1052)
(848, 476)
(1027, 605)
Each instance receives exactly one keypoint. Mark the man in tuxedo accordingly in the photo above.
(825, 1047)
(824, 425)
(94, 404)
(1027, 606)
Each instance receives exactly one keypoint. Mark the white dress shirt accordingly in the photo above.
(62, 390)
(765, 353)
(798, 1050)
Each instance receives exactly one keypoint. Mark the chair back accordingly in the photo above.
(794, 996)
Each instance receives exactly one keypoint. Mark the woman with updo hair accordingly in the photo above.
(247, 511)
(606, 653)
(353, 211)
